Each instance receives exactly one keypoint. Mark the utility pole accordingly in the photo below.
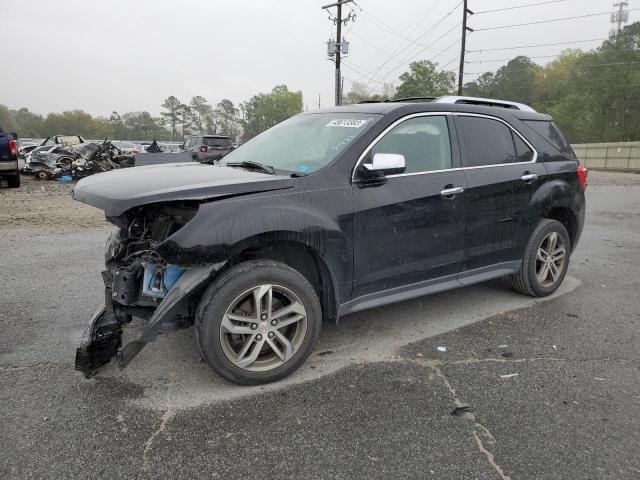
(465, 29)
(620, 17)
(338, 46)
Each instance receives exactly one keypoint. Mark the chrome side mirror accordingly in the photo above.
(387, 163)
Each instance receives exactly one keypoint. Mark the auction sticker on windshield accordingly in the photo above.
(347, 123)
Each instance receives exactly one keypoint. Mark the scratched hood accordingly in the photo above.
(117, 191)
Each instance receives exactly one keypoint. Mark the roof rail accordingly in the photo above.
(488, 102)
(410, 99)
(400, 100)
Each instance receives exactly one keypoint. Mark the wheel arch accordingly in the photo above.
(567, 218)
(557, 200)
(283, 247)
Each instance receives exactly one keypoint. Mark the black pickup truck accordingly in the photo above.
(9, 158)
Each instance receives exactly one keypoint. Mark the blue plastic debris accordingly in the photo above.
(65, 179)
(157, 283)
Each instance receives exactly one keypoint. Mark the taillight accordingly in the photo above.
(203, 149)
(583, 173)
(13, 148)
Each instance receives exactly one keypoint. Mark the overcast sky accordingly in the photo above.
(128, 55)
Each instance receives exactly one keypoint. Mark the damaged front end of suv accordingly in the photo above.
(139, 282)
(147, 275)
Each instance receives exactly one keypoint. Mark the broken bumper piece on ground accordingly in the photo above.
(102, 339)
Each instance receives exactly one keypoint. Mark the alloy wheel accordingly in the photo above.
(550, 259)
(263, 328)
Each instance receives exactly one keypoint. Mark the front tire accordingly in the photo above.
(258, 322)
(546, 260)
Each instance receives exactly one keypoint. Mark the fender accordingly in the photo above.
(240, 223)
(553, 193)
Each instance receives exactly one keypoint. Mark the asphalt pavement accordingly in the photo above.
(477, 383)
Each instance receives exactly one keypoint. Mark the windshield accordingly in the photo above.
(304, 143)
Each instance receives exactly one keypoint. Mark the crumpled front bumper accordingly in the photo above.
(100, 342)
(102, 339)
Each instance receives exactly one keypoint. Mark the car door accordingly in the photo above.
(409, 227)
(500, 168)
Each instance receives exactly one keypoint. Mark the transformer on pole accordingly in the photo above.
(338, 48)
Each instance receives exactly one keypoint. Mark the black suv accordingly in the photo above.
(329, 213)
(208, 148)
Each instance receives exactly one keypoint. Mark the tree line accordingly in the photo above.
(177, 120)
(594, 96)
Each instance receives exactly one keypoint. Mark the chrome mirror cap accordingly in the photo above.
(386, 162)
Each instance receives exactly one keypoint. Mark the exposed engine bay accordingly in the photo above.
(139, 282)
(136, 274)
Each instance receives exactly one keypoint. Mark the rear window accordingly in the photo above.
(551, 133)
(216, 142)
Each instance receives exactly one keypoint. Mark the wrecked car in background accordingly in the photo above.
(25, 148)
(64, 140)
(97, 158)
(48, 161)
(78, 161)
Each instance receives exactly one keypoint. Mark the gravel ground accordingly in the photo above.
(525, 389)
(46, 206)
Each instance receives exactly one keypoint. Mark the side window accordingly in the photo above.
(424, 142)
(525, 154)
(485, 141)
(551, 133)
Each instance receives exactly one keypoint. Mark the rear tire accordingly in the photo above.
(546, 260)
(43, 175)
(14, 181)
(258, 322)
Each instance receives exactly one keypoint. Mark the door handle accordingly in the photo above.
(449, 192)
(529, 177)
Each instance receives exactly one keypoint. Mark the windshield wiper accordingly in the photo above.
(249, 164)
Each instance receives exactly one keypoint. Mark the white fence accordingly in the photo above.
(624, 157)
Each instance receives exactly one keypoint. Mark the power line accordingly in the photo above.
(547, 21)
(423, 35)
(519, 6)
(508, 59)
(578, 67)
(554, 55)
(454, 59)
(538, 45)
(389, 55)
(416, 24)
(361, 72)
(403, 62)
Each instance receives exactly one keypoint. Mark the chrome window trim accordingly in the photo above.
(439, 114)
